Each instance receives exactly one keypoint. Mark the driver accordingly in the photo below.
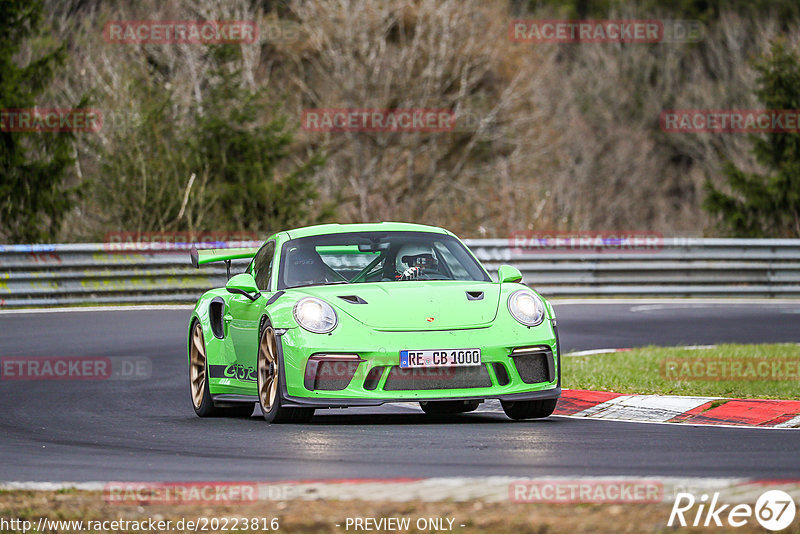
(305, 267)
(415, 260)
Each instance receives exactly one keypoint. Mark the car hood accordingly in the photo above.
(414, 305)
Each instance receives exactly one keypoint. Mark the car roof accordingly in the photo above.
(325, 229)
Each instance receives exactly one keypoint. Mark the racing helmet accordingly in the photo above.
(421, 256)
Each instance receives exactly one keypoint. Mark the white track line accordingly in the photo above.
(680, 347)
(592, 352)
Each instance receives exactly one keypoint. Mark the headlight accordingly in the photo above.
(526, 307)
(315, 315)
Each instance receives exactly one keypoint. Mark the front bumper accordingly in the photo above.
(303, 402)
(369, 373)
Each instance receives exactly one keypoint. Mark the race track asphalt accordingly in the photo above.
(146, 430)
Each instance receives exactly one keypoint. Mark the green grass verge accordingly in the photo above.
(676, 371)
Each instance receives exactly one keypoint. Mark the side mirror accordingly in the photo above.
(508, 273)
(243, 284)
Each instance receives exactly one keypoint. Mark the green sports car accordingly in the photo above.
(334, 315)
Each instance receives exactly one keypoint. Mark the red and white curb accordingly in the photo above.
(718, 411)
(760, 413)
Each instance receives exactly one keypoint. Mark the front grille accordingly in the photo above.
(329, 375)
(423, 378)
(535, 366)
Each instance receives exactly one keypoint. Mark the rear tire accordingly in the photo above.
(198, 381)
(448, 407)
(536, 409)
(269, 380)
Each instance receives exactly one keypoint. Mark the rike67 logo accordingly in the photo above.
(774, 510)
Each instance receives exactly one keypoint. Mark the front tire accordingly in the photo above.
(536, 409)
(269, 380)
(198, 381)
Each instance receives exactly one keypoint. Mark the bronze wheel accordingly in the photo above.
(197, 369)
(267, 370)
(202, 402)
(269, 379)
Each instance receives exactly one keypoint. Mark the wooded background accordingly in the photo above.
(548, 136)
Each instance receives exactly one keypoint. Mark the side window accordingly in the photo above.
(262, 265)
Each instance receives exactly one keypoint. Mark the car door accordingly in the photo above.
(245, 317)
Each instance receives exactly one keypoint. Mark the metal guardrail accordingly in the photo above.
(48, 275)
(678, 267)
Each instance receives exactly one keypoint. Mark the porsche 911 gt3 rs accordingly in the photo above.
(365, 314)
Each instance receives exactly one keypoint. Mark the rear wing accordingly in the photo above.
(212, 255)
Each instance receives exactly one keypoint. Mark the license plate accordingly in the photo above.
(440, 358)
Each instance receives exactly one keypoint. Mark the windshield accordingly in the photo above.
(376, 257)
